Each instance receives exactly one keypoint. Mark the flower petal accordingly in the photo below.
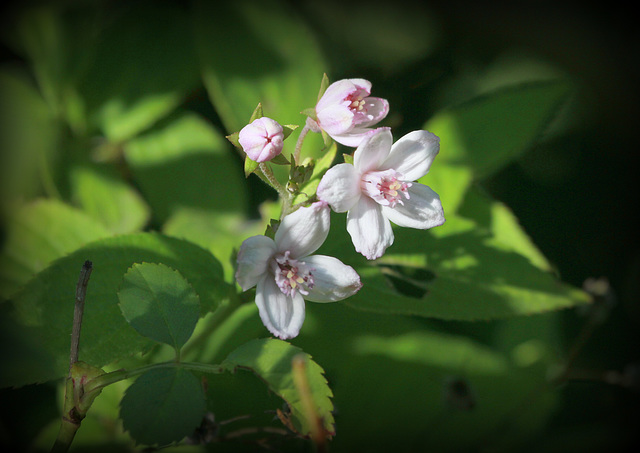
(253, 260)
(303, 231)
(335, 119)
(282, 315)
(377, 109)
(413, 154)
(340, 187)
(373, 150)
(332, 280)
(338, 91)
(422, 210)
(370, 231)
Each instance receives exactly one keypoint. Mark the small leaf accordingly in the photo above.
(233, 138)
(257, 113)
(163, 406)
(323, 85)
(159, 303)
(249, 166)
(271, 360)
(280, 160)
(287, 129)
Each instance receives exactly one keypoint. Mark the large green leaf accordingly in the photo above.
(29, 137)
(463, 270)
(142, 68)
(492, 130)
(102, 193)
(431, 386)
(271, 360)
(163, 406)
(159, 303)
(37, 234)
(45, 304)
(245, 62)
(186, 163)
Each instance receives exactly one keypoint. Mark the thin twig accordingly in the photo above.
(81, 292)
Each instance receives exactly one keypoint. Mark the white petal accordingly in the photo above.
(422, 210)
(413, 154)
(335, 119)
(253, 260)
(377, 109)
(370, 231)
(340, 187)
(282, 315)
(373, 150)
(332, 280)
(303, 231)
(353, 138)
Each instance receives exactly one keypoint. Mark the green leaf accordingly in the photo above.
(492, 130)
(185, 162)
(271, 360)
(159, 303)
(45, 304)
(308, 190)
(143, 67)
(29, 137)
(279, 72)
(459, 271)
(37, 234)
(394, 374)
(102, 193)
(163, 406)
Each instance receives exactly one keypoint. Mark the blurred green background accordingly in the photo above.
(575, 193)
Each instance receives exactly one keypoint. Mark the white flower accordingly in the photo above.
(378, 188)
(285, 275)
(346, 111)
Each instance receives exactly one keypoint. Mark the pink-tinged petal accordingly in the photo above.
(373, 150)
(422, 210)
(332, 279)
(262, 140)
(377, 109)
(340, 187)
(282, 315)
(413, 154)
(370, 231)
(253, 260)
(302, 232)
(335, 119)
(338, 91)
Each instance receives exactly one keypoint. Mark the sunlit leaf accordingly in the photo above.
(37, 234)
(281, 73)
(186, 163)
(492, 130)
(109, 199)
(271, 360)
(144, 65)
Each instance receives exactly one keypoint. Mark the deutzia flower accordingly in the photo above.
(378, 188)
(346, 111)
(262, 140)
(285, 275)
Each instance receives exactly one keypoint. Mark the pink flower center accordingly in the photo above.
(385, 187)
(292, 275)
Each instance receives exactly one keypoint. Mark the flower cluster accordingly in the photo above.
(375, 188)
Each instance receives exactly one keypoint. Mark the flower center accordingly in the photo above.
(292, 275)
(385, 187)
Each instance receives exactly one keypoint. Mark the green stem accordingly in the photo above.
(303, 133)
(102, 381)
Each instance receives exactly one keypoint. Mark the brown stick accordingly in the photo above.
(81, 291)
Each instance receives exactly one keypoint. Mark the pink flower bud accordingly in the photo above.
(262, 140)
